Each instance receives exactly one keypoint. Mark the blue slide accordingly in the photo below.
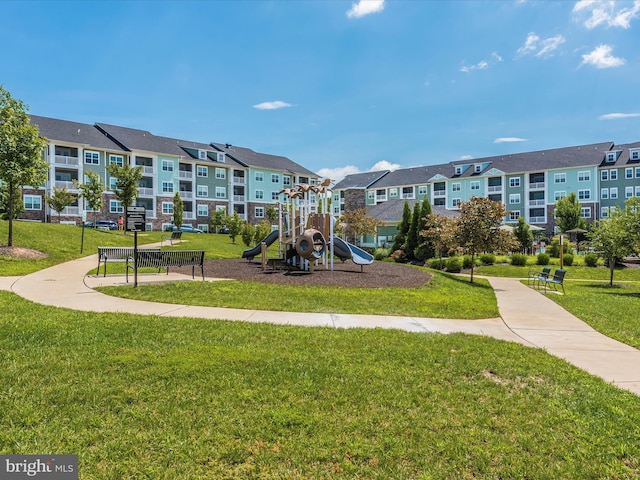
(344, 250)
(253, 252)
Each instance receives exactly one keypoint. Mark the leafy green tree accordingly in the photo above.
(92, 190)
(21, 146)
(218, 220)
(523, 234)
(261, 231)
(128, 178)
(439, 233)
(569, 213)
(178, 210)
(272, 214)
(60, 199)
(478, 228)
(412, 236)
(247, 233)
(356, 224)
(18, 204)
(234, 224)
(403, 228)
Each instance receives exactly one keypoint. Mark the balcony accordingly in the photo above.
(407, 196)
(186, 194)
(185, 174)
(536, 185)
(238, 198)
(381, 198)
(67, 185)
(150, 213)
(537, 220)
(71, 211)
(537, 203)
(147, 169)
(65, 160)
(439, 193)
(188, 216)
(494, 188)
(239, 180)
(145, 191)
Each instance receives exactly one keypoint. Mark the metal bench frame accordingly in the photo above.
(117, 254)
(166, 259)
(175, 236)
(557, 279)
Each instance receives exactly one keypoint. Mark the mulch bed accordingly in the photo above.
(376, 275)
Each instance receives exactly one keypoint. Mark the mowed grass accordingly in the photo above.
(573, 272)
(155, 397)
(445, 296)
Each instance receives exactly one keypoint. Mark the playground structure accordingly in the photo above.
(305, 232)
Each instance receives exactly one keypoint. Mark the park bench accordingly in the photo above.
(166, 259)
(557, 279)
(117, 254)
(175, 236)
(534, 278)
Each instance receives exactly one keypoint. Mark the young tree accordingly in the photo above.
(247, 233)
(218, 220)
(60, 199)
(523, 234)
(234, 224)
(478, 228)
(356, 223)
(261, 231)
(91, 190)
(403, 228)
(569, 213)
(272, 214)
(178, 210)
(412, 236)
(21, 161)
(127, 184)
(439, 233)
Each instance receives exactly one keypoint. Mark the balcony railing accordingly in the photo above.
(67, 185)
(71, 211)
(381, 198)
(65, 160)
(494, 188)
(148, 169)
(536, 185)
(189, 216)
(238, 180)
(537, 220)
(186, 194)
(185, 174)
(145, 191)
(537, 203)
(408, 196)
(238, 198)
(439, 193)
(151, 213)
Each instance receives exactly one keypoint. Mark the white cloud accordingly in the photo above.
(509, 140)
(481, 65)
(496, 57)
(466, 157)
(608, 12)
(337, 174)
(617, 116)
(540, 48)
(272, 105)
(601, 58)
(365, 7)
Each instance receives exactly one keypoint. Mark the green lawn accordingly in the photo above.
(154, 397)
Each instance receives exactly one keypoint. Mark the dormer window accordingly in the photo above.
(202, 154)
(221, 158)
(611, 157)
(635, 155)
(458, 170)
(477, 168)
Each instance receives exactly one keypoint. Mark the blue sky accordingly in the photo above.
(337, 86)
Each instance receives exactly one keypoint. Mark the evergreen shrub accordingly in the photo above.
(518, 259)
(543, 259)
(591, 260)
(487, 259)
(454, 265)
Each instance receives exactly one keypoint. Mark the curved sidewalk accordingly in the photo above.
(527, 317)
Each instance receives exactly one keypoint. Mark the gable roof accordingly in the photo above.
(360, 180)
(74, 132)
(625, 156)
(391, 211)
(250, 158)
(134, 139)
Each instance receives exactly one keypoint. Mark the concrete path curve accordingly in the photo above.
(526, 317)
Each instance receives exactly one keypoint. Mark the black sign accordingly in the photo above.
(136, 219)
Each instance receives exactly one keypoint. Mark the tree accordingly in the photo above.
(234, 224)
(91, 190)
(479, 228)
(425, 248)
(178, 210)
(60, 199)
(523, 235)
(272, 214)
(412, 235)
(128, 178)
(218, 220)
(356, 223)
(403, 228)
(21, 160)
(569, 213)
(18, 204)
(440, 232)
(261, 231)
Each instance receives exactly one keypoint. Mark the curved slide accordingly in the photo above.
(344, 250)
(255, 251)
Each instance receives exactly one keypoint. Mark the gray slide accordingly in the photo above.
(253, 252)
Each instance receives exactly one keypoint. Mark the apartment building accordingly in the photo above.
(602, 175)
(209, 177)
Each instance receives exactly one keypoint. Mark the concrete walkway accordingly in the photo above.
(526, 317)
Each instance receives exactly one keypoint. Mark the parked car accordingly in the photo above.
(184, 229)
(224, 230)
(111, 225)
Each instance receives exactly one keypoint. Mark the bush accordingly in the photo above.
(554, 248)
(246, 233)
(437, 264)
(381, 253)
(567, 259)
(454, 265)
(518, 259)
(591, 260)
(543, 259)
(466, 261)
(487, 259)
(399, 256)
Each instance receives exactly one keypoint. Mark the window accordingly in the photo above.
(221, 157)
(637, 172)
(286, 180)
(221, 173)
(259, 212)
(259, 194)
(455, 202)
(584, 194)
(628, 192)
(560, 194)
(477, 168)
(611, 157)
(167, 187)
(113, 183)
(202, 171)
(116, 207)
(259, 177)
(514, 182)
(585, 212)
(560, 178)
(203, 210)
(635, 155)
(514, 198)
(456, 187)
(274, 195)
(514, 215)
(613, 193)
(604, 212)
(613, 174)
(604, 193)
(221, 208)
(167, 208)
(167, 166)
(204, 227)
(221, 192)
(458, 171)
(604, 175)
(628, 172)
(202, 191)
(475, 185)
(275, 178)
(584, 176)
(92, 158)
(422, 190)
(117, 159)
(371, 195)
(393, 192)
(202, 154)
(32, 202)
(638, 191)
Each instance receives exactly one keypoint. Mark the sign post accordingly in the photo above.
(136, 219)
